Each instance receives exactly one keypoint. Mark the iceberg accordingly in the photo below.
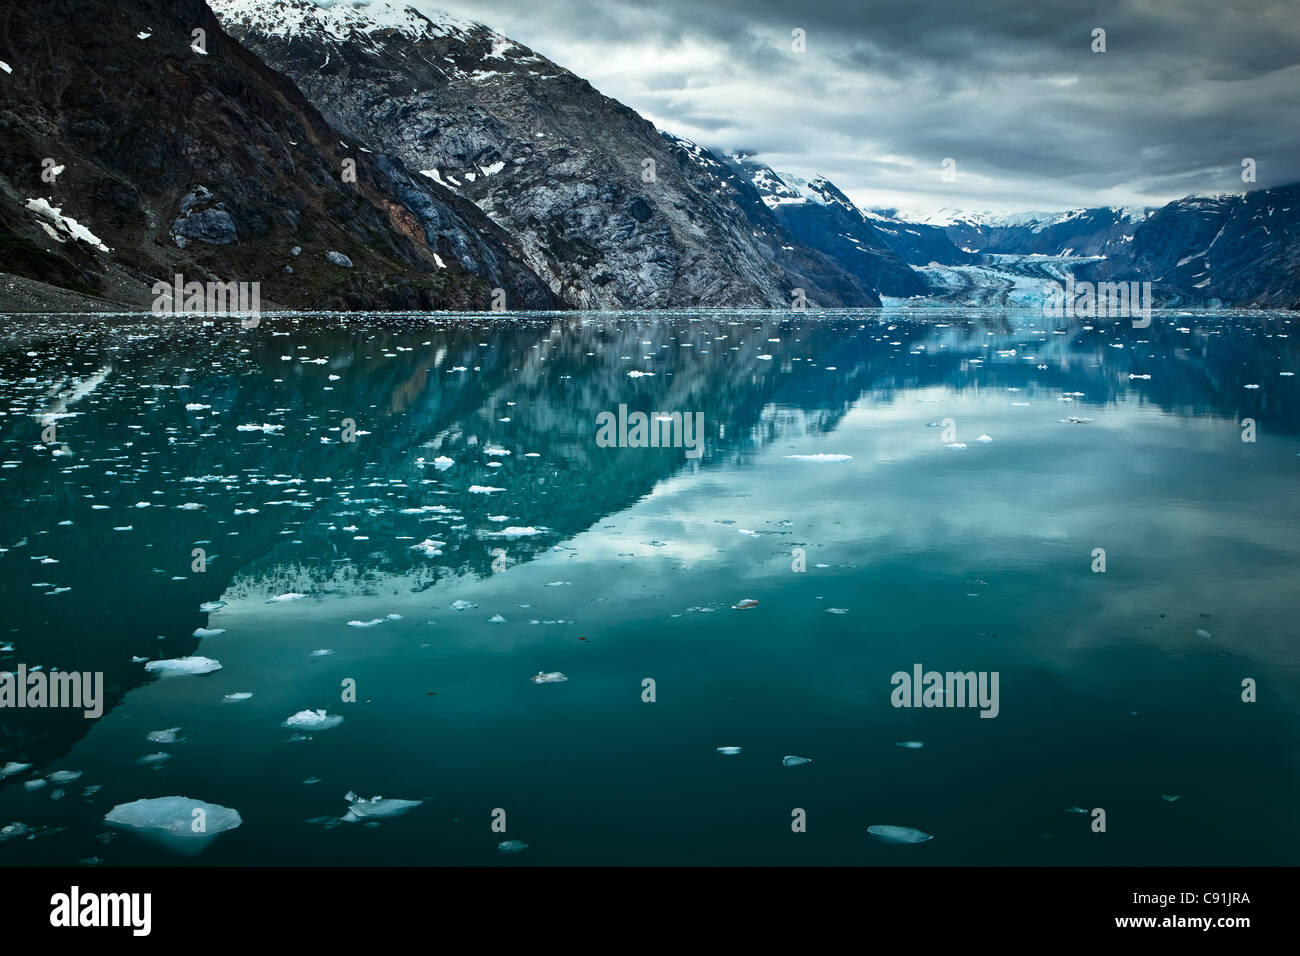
(312, 720)
(181, 666)
(548, 677)
(794, 761)
(891, 834)
(182, 824)
(376, 808)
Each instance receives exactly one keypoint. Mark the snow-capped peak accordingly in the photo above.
(350, 20)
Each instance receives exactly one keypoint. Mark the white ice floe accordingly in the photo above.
(13, 767)
(179, 823)
(794, 761)
(209, 607)
(744, 604)
(208, 631)
(984, 438)
(167, 736)
(636, 374)
(514, 531)
(312, 720)
(64, 776)
(237, 696)
(837, 610)
(428, 547)
(910, 744)
(548, 677)
(376, 807)
(281, 598)
(442, 463)
(1201, 632)
(182, 666)
(373, 622)
(154, 760)
(892, 834)
(512, 846)
(321, 652)
(820, 458)
(729, 751)
(259, 428)
(483, 489)
(496, 619)
(461, 605)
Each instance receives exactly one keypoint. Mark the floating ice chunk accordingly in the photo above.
(794, 761)
(167, 736)
(209, 607)
(208, 631)
(837, 610)
(1171, 797)
(548, 677)
(637, 374)
(556, 584)
(259, 428)
(376, 808)
(514, 532)
(820, 458)
(392, 617)
(744, 604)
(154, 760)
(984, 438)
(1251, 386)
(460, 605)
(35, 784)
(910, 744)
(496, 619)
(1075, 810)
(281, 598)
(483, 489)
(956, 445)
(512, 846)
(1201, 632)
(373, 622)
(729, 751)
(496, 451)
(442, 463)
(179, 823)
(321, 652)
(312, 720)
(180, 666)
(891, 834)
(237, 696)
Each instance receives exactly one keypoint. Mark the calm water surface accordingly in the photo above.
(923, 546)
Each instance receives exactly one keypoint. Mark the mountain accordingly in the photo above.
(180, 156)
(1079, 232)
(821, 217)
(608, 211)
(1235, 250)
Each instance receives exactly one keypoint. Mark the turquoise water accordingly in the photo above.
(612, 565)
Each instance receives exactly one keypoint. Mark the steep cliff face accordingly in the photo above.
(132, 148)
(609, 211)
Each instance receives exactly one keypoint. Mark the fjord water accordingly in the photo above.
(622, 564)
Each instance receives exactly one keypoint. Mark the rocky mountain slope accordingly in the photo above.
(172, 155)
(609, 211)
(821, 217)
(1225, 250)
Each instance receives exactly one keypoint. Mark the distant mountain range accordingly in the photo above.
(371, 156)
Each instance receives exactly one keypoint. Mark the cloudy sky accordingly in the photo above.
(1011, 90)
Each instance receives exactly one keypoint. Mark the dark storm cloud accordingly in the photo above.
(1010, 90)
